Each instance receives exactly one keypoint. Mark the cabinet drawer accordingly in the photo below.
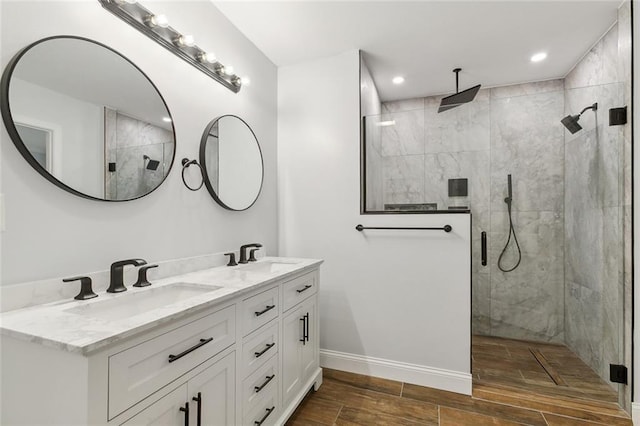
(299, 289)
(259, 310)
(258, 348)
(142, 369)
(264, 414)
(260, 386)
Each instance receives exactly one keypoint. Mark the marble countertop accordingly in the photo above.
(53, 325)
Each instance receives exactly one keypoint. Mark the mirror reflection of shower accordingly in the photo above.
(152, 164)
(512, 231)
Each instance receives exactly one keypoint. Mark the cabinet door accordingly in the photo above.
(309, 350)
(217, 388)
(292, 334)
(163, 412)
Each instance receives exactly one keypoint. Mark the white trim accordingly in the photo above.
(635, 413)
(454, 381)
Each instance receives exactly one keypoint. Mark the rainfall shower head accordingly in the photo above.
(458, 98)
(571, 121)
(153, 164)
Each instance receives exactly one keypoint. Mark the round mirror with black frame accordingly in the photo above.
(231, 162)
(87, 119)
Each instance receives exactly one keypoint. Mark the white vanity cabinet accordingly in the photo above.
(246, 360)
(205, 399)
(299, 347)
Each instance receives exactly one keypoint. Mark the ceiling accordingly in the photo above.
(492, 41)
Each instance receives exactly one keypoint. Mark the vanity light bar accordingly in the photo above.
(139, 17)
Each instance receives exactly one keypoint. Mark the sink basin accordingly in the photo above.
(267, 266)
(132, 304)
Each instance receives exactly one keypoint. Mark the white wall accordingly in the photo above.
(50, 233)
(394, 304)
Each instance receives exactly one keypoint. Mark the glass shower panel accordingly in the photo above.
(594, 237)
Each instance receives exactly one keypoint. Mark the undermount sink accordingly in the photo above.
(268, 266)
(132, 304)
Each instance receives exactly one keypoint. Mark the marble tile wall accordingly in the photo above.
(527, 142)
(127, 140)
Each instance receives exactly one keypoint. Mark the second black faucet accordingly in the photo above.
(243, 252)
(116, 280)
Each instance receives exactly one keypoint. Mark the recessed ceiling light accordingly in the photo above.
(166, 119)
(539, 57)
(398, 80)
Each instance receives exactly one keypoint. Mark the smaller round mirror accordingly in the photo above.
(231, 162)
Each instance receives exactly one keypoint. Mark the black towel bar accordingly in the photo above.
(446, 228)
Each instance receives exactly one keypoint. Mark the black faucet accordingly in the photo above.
(116, 281)
(243, 251)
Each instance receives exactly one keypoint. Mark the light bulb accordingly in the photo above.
(398, 80)
(157, 21)
(219, 69)
(228, 69)
(245, 81)
(207, 57)
(185, 40)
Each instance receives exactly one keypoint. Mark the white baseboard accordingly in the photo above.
(635, 413)
(422, 375)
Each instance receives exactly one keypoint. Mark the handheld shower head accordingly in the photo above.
(571, 121)
(153, 164)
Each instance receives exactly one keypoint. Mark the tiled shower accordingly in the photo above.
(571, 196)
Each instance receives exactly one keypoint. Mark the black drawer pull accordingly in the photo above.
(269, 411)
(198, 399)
(185, 410)
(306, 287)
(269, 346)
(269, 378)
(191, 349)
(267, 309)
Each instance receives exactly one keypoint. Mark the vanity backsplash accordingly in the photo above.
(32, 293)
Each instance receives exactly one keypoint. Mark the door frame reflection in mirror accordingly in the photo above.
(10, 119)
(206, 172)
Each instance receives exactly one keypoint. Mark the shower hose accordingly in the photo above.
(515, 239)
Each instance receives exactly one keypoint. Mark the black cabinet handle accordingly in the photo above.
(483, 239)
(269, 378)
(306, 287)
(269, 346)
(306, 333)
(198, 399)
(304, 328)
(191, 349)
(267, 309)
(185, 409)
(269, 411)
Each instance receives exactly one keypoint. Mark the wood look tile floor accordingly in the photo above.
(510, 387)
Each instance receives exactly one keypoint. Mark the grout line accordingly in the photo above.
(401, 389)
(439, 418)
(545, 418)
